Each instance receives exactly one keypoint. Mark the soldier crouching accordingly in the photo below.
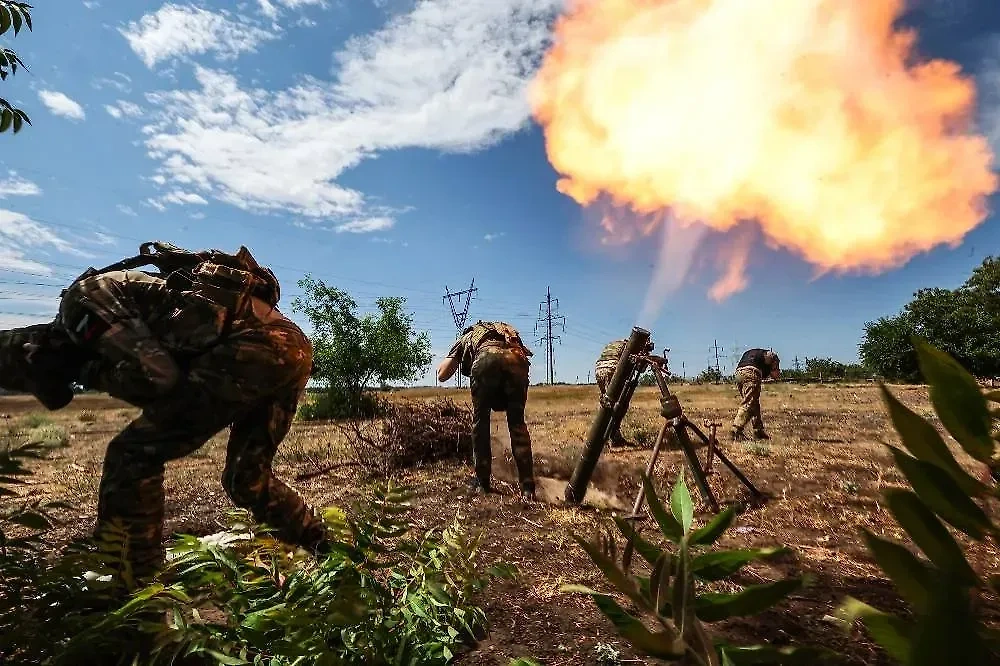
(750, 372)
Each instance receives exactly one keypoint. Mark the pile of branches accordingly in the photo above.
(412, 433)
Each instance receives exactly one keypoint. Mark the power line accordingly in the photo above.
(717, 350)
(460, 316)
(546, 320)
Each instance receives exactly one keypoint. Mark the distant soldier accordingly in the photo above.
(492, 355)
(199, 347)
(754, 366)
(604, 370)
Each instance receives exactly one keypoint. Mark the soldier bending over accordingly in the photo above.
(495, 360)
(753, 367)
(199, 347)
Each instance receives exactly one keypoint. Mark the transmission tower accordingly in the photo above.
(545, 319)
(717, 349)
(460, 316)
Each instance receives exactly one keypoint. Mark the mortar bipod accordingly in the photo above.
(676, 424)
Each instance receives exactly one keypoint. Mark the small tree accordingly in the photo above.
(709, 376)
(13, 16)
(352, 353)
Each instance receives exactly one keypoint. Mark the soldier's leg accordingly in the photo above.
(481, 385)
(249, 480)
(516, 398)
(745, 390)
(131, 488)
(755, 414)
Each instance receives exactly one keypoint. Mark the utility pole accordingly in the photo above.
(717, 349)
(460, 316)
(545, 318)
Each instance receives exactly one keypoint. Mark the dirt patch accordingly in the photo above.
(824, 469)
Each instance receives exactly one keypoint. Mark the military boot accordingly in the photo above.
(760, 434)
(528, 492)
(737, 435)
(477, 486)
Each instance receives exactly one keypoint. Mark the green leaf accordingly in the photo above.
(724, 563)
(662, 644)
(4, 19)
(911, 577)
(646, 550)
(958, 400)
(15, 17)
(17, 122)
(226, 659)
(889, 631)
(714, 528)
(929, 534)
(612, 572)
(670, 528)
(680, 503)
(715, 606)
(948, 634)
(5, 120)
(925, 443)
(752, 655)
(942, 494)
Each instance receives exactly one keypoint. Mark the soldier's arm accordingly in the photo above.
(451, 362)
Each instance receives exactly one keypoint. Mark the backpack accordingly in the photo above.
(228, 280)
(490, 330)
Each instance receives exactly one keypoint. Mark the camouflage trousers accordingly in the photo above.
(252, 382)
(748, 382)
(499, 382)
(603, 376)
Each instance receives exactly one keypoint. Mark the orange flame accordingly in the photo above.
(815, 118)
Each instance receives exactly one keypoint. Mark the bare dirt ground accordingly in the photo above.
(824, 470)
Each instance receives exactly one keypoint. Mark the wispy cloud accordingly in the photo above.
(15, 186)
(19, 234)
(489, 238)
(269, 8)
(176, 31)
(61, 105)
(120, 81)
(449, 75)
(123, 108)
(366, 225)
(127, 210)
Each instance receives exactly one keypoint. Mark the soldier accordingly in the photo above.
(200, 349)
(750, 372)
(604, 370)
(492, 355)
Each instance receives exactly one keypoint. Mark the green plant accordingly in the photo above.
(87, 416)
(336, 403)
(672, 595)
(36, 419)
(944, 627)
(382, 596)
(13, 16)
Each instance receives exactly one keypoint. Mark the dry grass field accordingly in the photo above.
(823, 470)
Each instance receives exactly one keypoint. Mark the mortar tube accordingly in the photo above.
(576, 489)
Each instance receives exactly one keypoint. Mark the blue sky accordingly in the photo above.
(385, 146)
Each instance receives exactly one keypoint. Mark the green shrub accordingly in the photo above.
(671, 595)
(35, 419)
(337, 404)
(945, 627)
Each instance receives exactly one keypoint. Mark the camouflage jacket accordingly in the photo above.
(485, 334)
(610, 355)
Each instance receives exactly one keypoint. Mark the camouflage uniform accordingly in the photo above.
(604, 370)
(750, 372)
(496, 362)
(194, 373)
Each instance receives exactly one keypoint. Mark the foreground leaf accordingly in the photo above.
(715, 606)
(887, 630)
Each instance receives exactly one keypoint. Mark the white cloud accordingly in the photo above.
(179, 197)
(120, 81)
(127, 210)
(61, 105)
(19, 233)
(268, 8)
(15, 186)
(449, 75)
(366, 225)
(177, 31)
(492, 237)
(91, 4)
(123, 108)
